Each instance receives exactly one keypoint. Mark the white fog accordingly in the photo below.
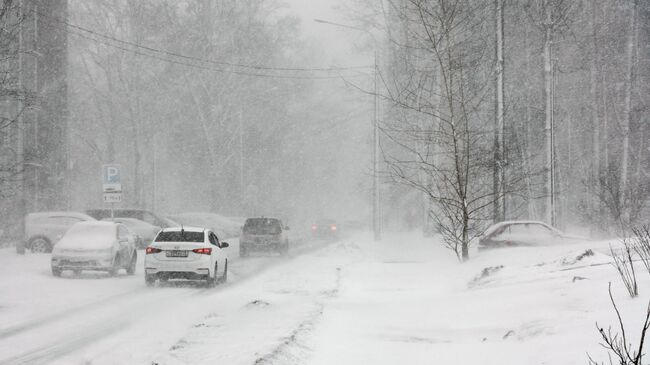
(324, 182)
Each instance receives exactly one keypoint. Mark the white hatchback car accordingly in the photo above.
(187, 253)
(94, 245)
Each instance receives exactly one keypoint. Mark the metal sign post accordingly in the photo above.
(112, 186)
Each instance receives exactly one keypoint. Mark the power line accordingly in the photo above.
(200, 67)
(193, 58)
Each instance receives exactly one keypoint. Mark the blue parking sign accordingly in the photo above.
(111, 174)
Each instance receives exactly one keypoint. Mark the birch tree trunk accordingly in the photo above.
(629, 76)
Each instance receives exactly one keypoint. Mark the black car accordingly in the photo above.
(265, 235)
(325, 228)
(141, 214)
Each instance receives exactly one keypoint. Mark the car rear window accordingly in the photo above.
(262, 226)
(180, 236)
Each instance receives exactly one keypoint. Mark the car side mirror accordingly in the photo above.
(224, 244)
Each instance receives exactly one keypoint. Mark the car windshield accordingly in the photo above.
(262, 226)
(180, 236)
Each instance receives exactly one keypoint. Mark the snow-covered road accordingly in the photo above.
(404, 300)
(100, 319)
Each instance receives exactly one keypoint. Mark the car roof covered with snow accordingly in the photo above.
(126, 221)
(493, 228)
(80, 215)
(96, 223)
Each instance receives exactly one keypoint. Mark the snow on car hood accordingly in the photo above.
(84, 236)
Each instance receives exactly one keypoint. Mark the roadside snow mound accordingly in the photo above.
(481, 278)
(258, 303)
(587, 257)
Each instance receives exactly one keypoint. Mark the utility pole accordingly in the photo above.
(241, 159)
(20, 130)
(548, 127)
(376, 201)
(35, 120)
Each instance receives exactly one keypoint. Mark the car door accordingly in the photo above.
(542, 235)
(126, 241)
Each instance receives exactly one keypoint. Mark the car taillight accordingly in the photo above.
(203, 251)
(333, 227)
(151, 250)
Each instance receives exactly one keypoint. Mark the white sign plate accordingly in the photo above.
(112, 197)
(112, 188)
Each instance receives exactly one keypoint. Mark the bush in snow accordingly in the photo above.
(618, 344)
(625, 267)
(642, 248)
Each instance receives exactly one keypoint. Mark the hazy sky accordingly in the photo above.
(336, 42)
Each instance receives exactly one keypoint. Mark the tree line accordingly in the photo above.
(517, 109)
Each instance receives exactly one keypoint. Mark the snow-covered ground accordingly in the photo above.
(354, 301)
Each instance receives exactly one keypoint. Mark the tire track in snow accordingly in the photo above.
(294, 348)
(46, 354)
(100, 326)
(43, 321)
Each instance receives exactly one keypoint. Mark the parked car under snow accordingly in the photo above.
(97, 246)
(44, 229)
(524, 233)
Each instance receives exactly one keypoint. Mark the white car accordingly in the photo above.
(44, 229)
(524, 233)
(98, 246)
(188, 253)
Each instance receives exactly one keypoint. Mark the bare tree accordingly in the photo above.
(13, 97)
(442, 145)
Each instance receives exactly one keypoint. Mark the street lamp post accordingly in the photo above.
(376, 199)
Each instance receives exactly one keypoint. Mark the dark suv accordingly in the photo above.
(263, 234)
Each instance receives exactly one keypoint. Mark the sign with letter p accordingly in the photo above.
(111, 178)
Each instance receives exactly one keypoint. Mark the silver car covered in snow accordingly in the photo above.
(98, 246)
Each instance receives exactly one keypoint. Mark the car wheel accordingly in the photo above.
(130, 270)
(40, 245)
(116, 267)
(284, 249)
(210, 282)
(149, 280)
(224, 277)
(56, 271)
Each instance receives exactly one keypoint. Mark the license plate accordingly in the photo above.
(176, 253)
